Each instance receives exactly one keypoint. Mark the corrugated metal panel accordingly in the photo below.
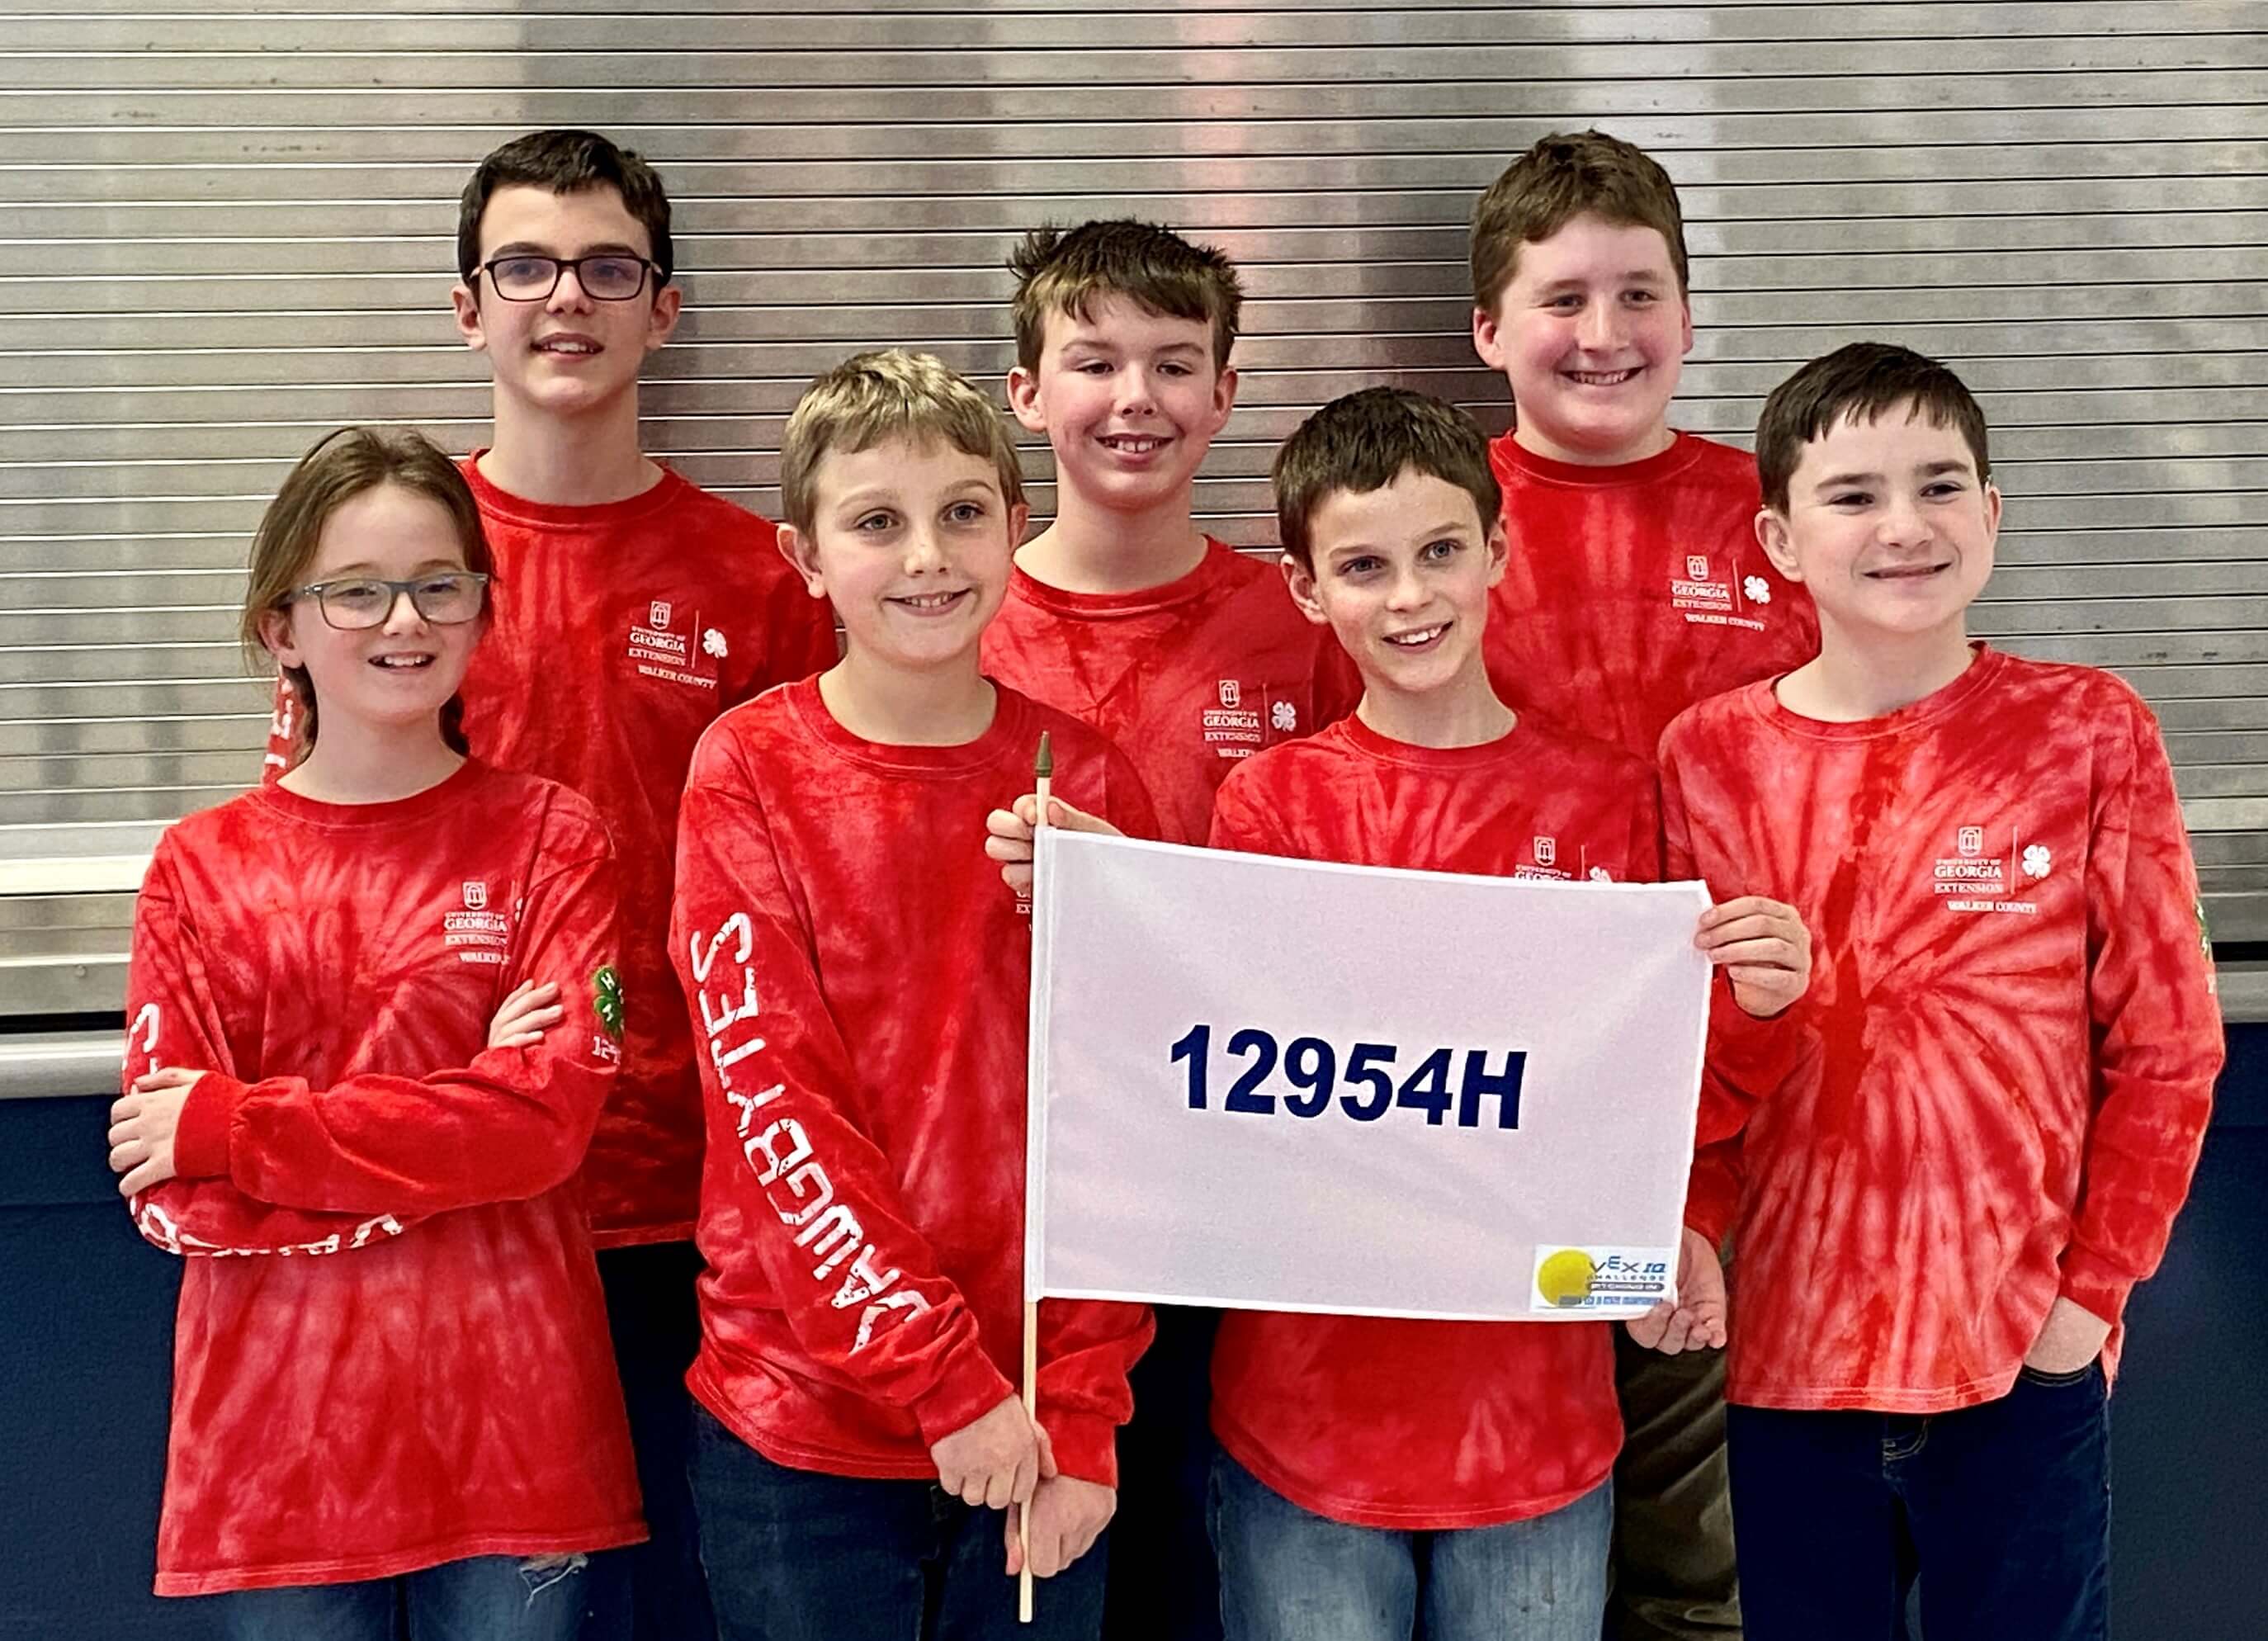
(225, 232)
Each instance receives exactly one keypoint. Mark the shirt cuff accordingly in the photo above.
(2092, 1286)
(1085, 1444)
(971, 1389)
(201, 1132)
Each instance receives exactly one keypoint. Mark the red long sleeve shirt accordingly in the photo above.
(1635, 591)
(393, 1350)
(619, 633)
(858, 975)
(1419, 1425)
(2013, 1004)
(1190, 677)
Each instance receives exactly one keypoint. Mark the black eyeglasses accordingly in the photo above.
(354, 603)
(609, 277)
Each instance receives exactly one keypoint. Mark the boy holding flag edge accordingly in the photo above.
(1342, 1507)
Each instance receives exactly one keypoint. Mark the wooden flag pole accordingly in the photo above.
(1043, 768)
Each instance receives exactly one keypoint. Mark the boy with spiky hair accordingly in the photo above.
(1634, 588)
(1941, 1220)
(860, 976)
(1180, 648)
(631, 608)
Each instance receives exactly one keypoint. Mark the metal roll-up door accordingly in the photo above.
(223, 233)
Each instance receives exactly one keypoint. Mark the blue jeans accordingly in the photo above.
(481, 1598)
(654, 1591)
(1288, 1574)
(2002, 1510)
(802, 1556)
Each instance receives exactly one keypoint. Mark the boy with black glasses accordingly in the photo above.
(631, 609)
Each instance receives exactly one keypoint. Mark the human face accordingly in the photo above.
(1889, 528)
(912, 541)
(568, 354)
(1128, 399)
(1403, 574)
(397, 674)
(1590, 331)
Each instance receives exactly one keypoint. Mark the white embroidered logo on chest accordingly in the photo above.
(1971, 880)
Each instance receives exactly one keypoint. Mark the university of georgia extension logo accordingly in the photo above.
(657, 615)
(606, 1000)
(476, 894)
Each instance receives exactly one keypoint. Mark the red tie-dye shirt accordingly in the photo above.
(1635, 591)
(391, 1351)
(1189, 679)
(2011, 1007)
(1419, 1425)
(858, 975)
(618, 634)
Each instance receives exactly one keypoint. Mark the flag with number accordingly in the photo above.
(1284, 1084)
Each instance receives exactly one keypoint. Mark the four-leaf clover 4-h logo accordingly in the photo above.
(1758, 589)
(1284, 716)
(2037, 860)
(606, 999)
(712, 642)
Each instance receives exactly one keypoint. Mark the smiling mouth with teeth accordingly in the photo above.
(1134, 443)
(400, 663)
(562, 345)
(1908, 573)
(1413, 640)
(930, 601)
(1600, 378)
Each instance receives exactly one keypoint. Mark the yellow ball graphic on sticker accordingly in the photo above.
(1565, 1278)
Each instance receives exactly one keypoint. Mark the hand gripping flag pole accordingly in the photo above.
(1043, 768)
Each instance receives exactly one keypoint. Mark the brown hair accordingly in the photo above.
(1061, 270)
(1565, 175)
(1860, 382)
(890, 393)
(566, 162)
(1364, 442)
(340, 466)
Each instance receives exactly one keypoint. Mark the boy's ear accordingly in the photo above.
(1772, 536)
(1024, 399)
(1499, 552)
(1300, 579)
(1991, 512)
(662, 323)
(1020, 520)
(467, 304)
(1488, 339)
(1224, 396)
(796, 546)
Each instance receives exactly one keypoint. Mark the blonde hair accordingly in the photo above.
(891, 393)
(340, 466)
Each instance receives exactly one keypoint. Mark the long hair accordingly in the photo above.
(340, 466)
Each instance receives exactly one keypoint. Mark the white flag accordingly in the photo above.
(1282, 1084)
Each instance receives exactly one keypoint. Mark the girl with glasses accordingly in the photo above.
(372, 1018)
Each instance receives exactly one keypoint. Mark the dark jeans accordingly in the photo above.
(801, 1556)
(1163, 1583)
(1288, 1574)
(2003, 1511)
(654, 1591)
(481, 1598)
(1674, 1575)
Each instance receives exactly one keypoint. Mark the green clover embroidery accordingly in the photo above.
(606, 999)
